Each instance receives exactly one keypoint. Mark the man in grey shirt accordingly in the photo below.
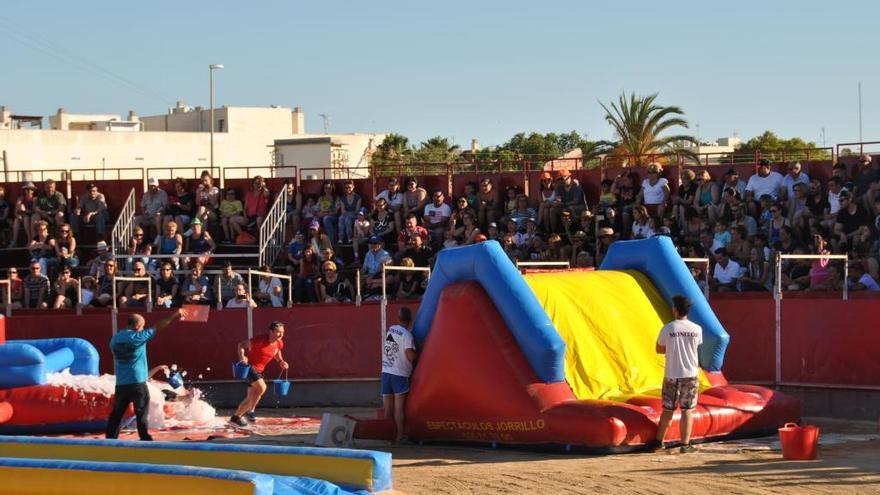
(153, 206)
(92, 209)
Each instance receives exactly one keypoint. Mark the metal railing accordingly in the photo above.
(272, 231)
(7, 296)
(777, 296)
(124, 226)
(289, 279)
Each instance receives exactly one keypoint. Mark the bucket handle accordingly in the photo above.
(790, 425)
(283, 372)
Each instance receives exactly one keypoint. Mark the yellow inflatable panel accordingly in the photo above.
(35, 481)
(609, 321)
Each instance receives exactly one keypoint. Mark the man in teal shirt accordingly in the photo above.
(129, 347)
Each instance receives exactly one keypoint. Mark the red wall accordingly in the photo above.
(825, 340)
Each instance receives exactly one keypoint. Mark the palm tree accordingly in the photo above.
(393, 149)
(639, 122)
(437, 149)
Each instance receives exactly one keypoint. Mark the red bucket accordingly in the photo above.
(799, 442)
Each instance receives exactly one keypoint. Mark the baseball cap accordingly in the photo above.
(102, 246)
(314, 225)
(152, 181)
(493, 224)
(564, 173)
(844, 194)
(195, 221)
(606, 231)
(362, 211)
(731, 172)
(375, 240)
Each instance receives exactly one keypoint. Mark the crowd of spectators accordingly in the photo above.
(738, 223)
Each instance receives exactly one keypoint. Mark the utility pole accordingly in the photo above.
(860, 112)
(211, 69)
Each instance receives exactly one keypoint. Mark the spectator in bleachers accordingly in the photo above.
(765, 213)
(232, 217)
(411, 228)
(153, 205)
(817, 201)
(199, 243)
(841, 171)
(449, 240)
(92, 209)
(383, 221)
(489, 204)
(786, 244)
(492, 233)
(509, 203)
(135, 294)
(171, 242)
(229, 279)
(139, 247)
(552, 250)
(470, 192)
(65, 246)
(848, 220)
(269, 291)
(509, 246)
(859, 279)
(363, 229)
(693, 225)
(310, 208)
(36, 288)
(819, 268)
(328, 254)
(414, 198)
(608, 198)
(654, 192)
(739, 246)
(740, 216)
(436, 217)
(371, 271)
(833, 280)
(776, 222)
(725, 277)
(867, 181)
(106, 279)
(42, 247)
(862, 242)
(731, 180)
(316, 239)
(729, 199)
(798, 211)
(794, 176)
(757, 276)
(207, 199)
(522, 212)
(625, 188)
(327, 212)
(331, 287)
(643, 225)
(240, 298)
(181, 205)
(304, 284)
(349, 205)
(467, 233)
(522, 238)
(294, 253)
(418, 251)
(410, 283)
(393, 199)
(256, 202)
(293, 203)
(5, 208)
(835, 187)
(533, 249)
(102, 256)
(796, 274)
(764, 182)
(87, 290)
(461, 206)
(684, 196)
(167, 287)
(196, 287)
(546, 201)
(51, 205)
(578, 247)
(24, 213)
(707, 197)
(16, 290)
(569, 196)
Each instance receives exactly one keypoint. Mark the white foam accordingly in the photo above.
(189, 411)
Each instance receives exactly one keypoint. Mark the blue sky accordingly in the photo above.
(456, 69)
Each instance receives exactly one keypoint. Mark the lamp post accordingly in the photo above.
(211, 69)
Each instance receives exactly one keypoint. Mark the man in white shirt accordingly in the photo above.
(727, 272)
(394, 199)
(679, 341)
(764, 182)
(398, 354)
(437, 214)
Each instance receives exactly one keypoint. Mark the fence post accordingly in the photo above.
(777, 297)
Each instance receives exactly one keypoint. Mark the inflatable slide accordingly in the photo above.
(565, 358)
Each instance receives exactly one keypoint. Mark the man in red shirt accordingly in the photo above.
(411, 229)
(257, 352)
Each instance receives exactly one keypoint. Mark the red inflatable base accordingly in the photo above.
(472, 383)
(51, 409)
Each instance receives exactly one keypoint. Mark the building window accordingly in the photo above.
(221, 123)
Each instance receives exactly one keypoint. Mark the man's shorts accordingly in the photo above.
(394, 384)
(680, 392)
(253, 375)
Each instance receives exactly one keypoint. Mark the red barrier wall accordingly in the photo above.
(825, 340)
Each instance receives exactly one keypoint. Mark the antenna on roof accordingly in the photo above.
(326, 119)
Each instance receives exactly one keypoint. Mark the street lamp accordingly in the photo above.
(211, 69)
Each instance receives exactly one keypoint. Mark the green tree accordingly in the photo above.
(393, 150)
(437, 150)
(775, 148)
(640, 124)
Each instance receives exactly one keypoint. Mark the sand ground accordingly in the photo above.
(849, 462)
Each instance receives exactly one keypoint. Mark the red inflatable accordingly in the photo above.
(473, 383)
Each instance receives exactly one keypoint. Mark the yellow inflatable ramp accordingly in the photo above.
(609, 321)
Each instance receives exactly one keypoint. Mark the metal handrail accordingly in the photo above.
(149, 282)
(8, 284)
(289, 279)
(272, 231)
(123, 228)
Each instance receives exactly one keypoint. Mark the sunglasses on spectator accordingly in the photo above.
(166, 269)
(64, 231)
(13, 272)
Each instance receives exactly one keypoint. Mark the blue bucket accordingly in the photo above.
(240, 370)
(175, 380)
(282, 387)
